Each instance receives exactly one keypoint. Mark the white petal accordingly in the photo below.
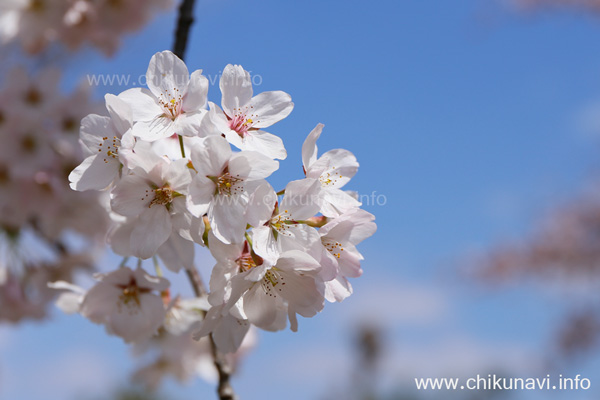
(252, 165)
(271, 107)
(152, 229)
(336, 167)
(309, 147)
(296, 260)
(131, 196)
(302, 293)
(69, 302)
(209, 323)
(349, 262)
(120, 113)
(158, 128)
(236, 87)
(120, 239)
(197, 92)
(223, 251)
(264, 243)
(298, 237)
(100, 301)
(265, 143)
(93, 129)
(211, 157)
(301, 199)
(337, 289)
(211, 122)
(353, 227)
(63, 285)
(167, 74)
(146, 281)
(336, 202)
(177, 252)
(190, 124)
(226, 216)
(261, 205)
(135, 322)
(94, 173)
(201, 192)
(229, 334)
(143, 156)
(144, 106)
(119, 276)
(177, 175)
(266, 312)
(219, 284)
(196, 231)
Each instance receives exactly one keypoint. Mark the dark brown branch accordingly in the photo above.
(196, 282)
(224, 390)
(184, 23)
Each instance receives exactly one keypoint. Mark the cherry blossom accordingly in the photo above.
(102, 139)
(242, 116)
(223, 184)
(284, 228)
(127, 302)
(174, 103)
(272, 294)
(340, 237)
(333, 170)
(38, 23)
(172, 180)
(154, 200)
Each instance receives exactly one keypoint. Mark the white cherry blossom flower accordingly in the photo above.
(285, 229)
(243, 117)
(340, 237)
(103, 139)
(33, 22)
(125, 301)
(271, 294)
(333, 170)
(154, 199)
(182, 314)
(223, 185)
(174, 103)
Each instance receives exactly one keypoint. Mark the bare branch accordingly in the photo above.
(184, 23)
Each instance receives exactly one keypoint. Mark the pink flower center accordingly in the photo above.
(171, 102)
(243, 121)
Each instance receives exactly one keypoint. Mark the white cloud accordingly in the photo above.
(390, 303)
(461, 356)
(77, 372)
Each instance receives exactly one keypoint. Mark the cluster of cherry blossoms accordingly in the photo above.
(37, 23)
(180, 172)
(39, 131)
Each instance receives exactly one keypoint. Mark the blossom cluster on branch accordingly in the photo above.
(39, 131)
(183, 172)
(100, 23)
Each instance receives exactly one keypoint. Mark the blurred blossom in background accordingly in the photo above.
(477, 121)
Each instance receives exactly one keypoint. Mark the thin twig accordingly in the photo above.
(196, 282)
(185, 21)
(225, 390)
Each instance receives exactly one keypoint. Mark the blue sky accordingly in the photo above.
(470, 118)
